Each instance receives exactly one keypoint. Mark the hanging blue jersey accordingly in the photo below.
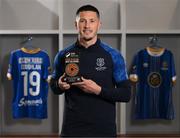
(155, 73)
(29, 71)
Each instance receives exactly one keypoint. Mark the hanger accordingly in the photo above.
(27, 43)
(153, 47)
(27, 39)
(154, 42)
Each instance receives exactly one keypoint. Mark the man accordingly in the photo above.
(90, 104)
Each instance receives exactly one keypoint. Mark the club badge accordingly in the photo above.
(154, 79)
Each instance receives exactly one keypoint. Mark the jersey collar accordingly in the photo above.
(90, 47)
(30, 51)
(155, 52)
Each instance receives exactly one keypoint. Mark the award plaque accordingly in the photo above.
(72, 68)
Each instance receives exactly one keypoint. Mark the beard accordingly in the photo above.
(87, 39)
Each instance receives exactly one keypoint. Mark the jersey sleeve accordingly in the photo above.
(46, 70)
(119, 68)
(57, 73)
(173, 71)
(133, 69)
(122, 91)
(11, 67)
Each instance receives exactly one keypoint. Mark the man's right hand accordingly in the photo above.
(63, 85)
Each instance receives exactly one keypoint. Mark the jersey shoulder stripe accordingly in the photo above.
(119, 67)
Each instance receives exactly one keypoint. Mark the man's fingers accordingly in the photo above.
(66, 86)
(62, 76)
(63, 85)
(83, 78)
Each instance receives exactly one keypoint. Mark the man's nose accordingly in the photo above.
(87, 24)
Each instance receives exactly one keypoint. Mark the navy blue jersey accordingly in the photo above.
(89, 114)
(155, 74)
(29, 71)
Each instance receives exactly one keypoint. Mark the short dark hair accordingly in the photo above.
(88, 8)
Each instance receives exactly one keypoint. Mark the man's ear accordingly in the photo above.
(75, 24)
(100, 23)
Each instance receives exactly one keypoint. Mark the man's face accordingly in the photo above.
(87, 25)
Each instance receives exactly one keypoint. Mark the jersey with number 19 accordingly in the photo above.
(29, 71)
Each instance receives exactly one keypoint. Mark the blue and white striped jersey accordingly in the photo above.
(155, 73)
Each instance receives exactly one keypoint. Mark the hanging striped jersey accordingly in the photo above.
(29, 71)
(154, 72)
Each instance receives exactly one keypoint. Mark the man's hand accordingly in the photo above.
(88, 86)
(63, 85)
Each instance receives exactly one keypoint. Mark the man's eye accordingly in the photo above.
(82, 21)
